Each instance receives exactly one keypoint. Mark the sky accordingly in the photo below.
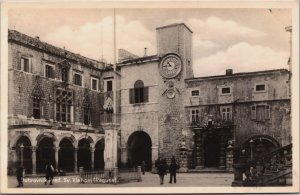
(244, 40)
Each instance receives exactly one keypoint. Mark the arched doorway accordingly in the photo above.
(211, 150)
(23, 148)
(139, 149)
(99, 155)
(66, 155)
(45, 154)
(84, 154)
(259, 145)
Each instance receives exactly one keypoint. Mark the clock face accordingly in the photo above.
(170, 66)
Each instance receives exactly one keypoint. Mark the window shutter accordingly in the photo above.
(131, 96)
(19, 61)
(253, 112)
(30, 61)
(146, 94)
(267, 112)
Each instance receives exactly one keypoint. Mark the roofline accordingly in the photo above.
(176, 24)
(241, 74)
(139, 60)
(12, 39)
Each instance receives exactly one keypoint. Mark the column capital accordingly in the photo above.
(33, 148)
(56, 149)
(92, 149)
(76, 149)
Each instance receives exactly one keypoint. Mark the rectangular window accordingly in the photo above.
(77, 79)
(25, 64)
(109, 85)
(49, 71)
(226, 113)
(94, 83)
(138, 95)
(194, 116)
(260, 112)
(260, 88)
(225, 90)
(195, 93)
(86, 115)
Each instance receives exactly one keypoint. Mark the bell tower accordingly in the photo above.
(174, 46)
(176, 38)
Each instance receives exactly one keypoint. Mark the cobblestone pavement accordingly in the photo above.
(148, 180)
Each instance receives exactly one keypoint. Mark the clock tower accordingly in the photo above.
(175, 64)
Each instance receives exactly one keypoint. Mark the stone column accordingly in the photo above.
(222, 158)
(33, 158)
(56, 157)
(92, 157)
(75, 160)
(154, 151)
(198, 149)
(124, 155)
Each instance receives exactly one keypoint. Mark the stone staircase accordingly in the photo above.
(274, 169)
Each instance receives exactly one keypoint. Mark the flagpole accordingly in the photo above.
(114, 155)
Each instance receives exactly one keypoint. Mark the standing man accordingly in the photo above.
(143, 167)
(20, 176)
(161, 169)
(173, 168)
(49, 173)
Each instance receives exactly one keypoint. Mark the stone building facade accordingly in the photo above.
(161, 109)
(198, 120)
(57, 106)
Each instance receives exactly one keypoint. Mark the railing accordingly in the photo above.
(265, 170)
(110, 118)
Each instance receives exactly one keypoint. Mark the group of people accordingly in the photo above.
(49, 174)
(162, 167)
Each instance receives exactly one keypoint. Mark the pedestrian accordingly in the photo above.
(173, 168)
(161, 169)
(49, 173)
(20, 175)
(143, 167)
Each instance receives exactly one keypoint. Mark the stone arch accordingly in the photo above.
(13, 141)
(139, 148)
(45, 134)
(70, 137)
(99, 154)
(89, 138)
(262, 136)
(259, 145)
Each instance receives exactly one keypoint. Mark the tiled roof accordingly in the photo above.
(14, 35)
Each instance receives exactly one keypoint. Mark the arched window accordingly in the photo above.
(64, 105)
(139, 94)
(37, 96)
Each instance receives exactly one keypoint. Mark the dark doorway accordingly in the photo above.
(99, 155)
(211, 151)
(24, 142)
(84, 154)
(45, 154)
(66, 156)
(139, 149)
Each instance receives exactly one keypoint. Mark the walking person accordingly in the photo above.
(143, 166)
(49, 173)
(161, 169)
(20, 176)
(173, 168)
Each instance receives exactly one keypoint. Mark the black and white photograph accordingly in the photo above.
(155, 98)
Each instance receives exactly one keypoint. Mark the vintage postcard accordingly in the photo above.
(150, 97)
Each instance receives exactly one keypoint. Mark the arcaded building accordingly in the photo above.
(58, 103)
(61, 107)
